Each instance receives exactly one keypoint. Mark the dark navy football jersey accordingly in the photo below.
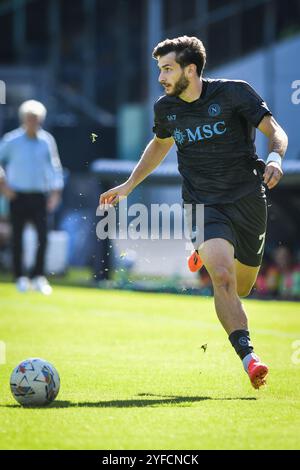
(215, 137)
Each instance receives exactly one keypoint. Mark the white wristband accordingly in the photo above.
(274, 157)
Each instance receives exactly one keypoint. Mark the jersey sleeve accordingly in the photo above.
(56, 179)
(159, 127)
(248, 103)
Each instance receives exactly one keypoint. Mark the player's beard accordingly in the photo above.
(180, 86)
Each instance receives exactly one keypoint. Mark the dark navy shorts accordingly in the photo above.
(243, 223)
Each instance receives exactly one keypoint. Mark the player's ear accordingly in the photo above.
(191, 69)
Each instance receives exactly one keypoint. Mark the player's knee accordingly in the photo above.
(223, 276)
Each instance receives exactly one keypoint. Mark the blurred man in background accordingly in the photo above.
(32, 181)
(280, 278)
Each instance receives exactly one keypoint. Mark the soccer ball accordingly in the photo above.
(34, 382)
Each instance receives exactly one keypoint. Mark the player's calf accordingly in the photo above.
(244, 291)
(245, 278)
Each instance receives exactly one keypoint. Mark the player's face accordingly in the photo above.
(172, 77)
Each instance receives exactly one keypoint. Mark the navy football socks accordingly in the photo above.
(240, 340)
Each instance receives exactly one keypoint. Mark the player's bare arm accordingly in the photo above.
(153, 155)
(278, 142)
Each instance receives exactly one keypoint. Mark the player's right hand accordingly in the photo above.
(114, 196)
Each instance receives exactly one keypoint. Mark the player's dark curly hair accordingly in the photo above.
(189, 50)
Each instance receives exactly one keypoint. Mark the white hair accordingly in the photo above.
(32, 107)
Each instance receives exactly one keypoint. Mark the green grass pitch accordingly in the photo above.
(134, 376)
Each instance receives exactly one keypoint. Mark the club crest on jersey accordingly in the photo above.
(179, 136)
(214, 110)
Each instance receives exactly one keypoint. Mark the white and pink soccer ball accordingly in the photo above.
(34, 382)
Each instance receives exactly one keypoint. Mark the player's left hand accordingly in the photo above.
(273, 174)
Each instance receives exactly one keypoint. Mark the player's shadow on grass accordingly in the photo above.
(141, 402)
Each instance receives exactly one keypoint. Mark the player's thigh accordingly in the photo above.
(218, 257)
(245, 277)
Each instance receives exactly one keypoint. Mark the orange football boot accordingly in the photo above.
(195, 262)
